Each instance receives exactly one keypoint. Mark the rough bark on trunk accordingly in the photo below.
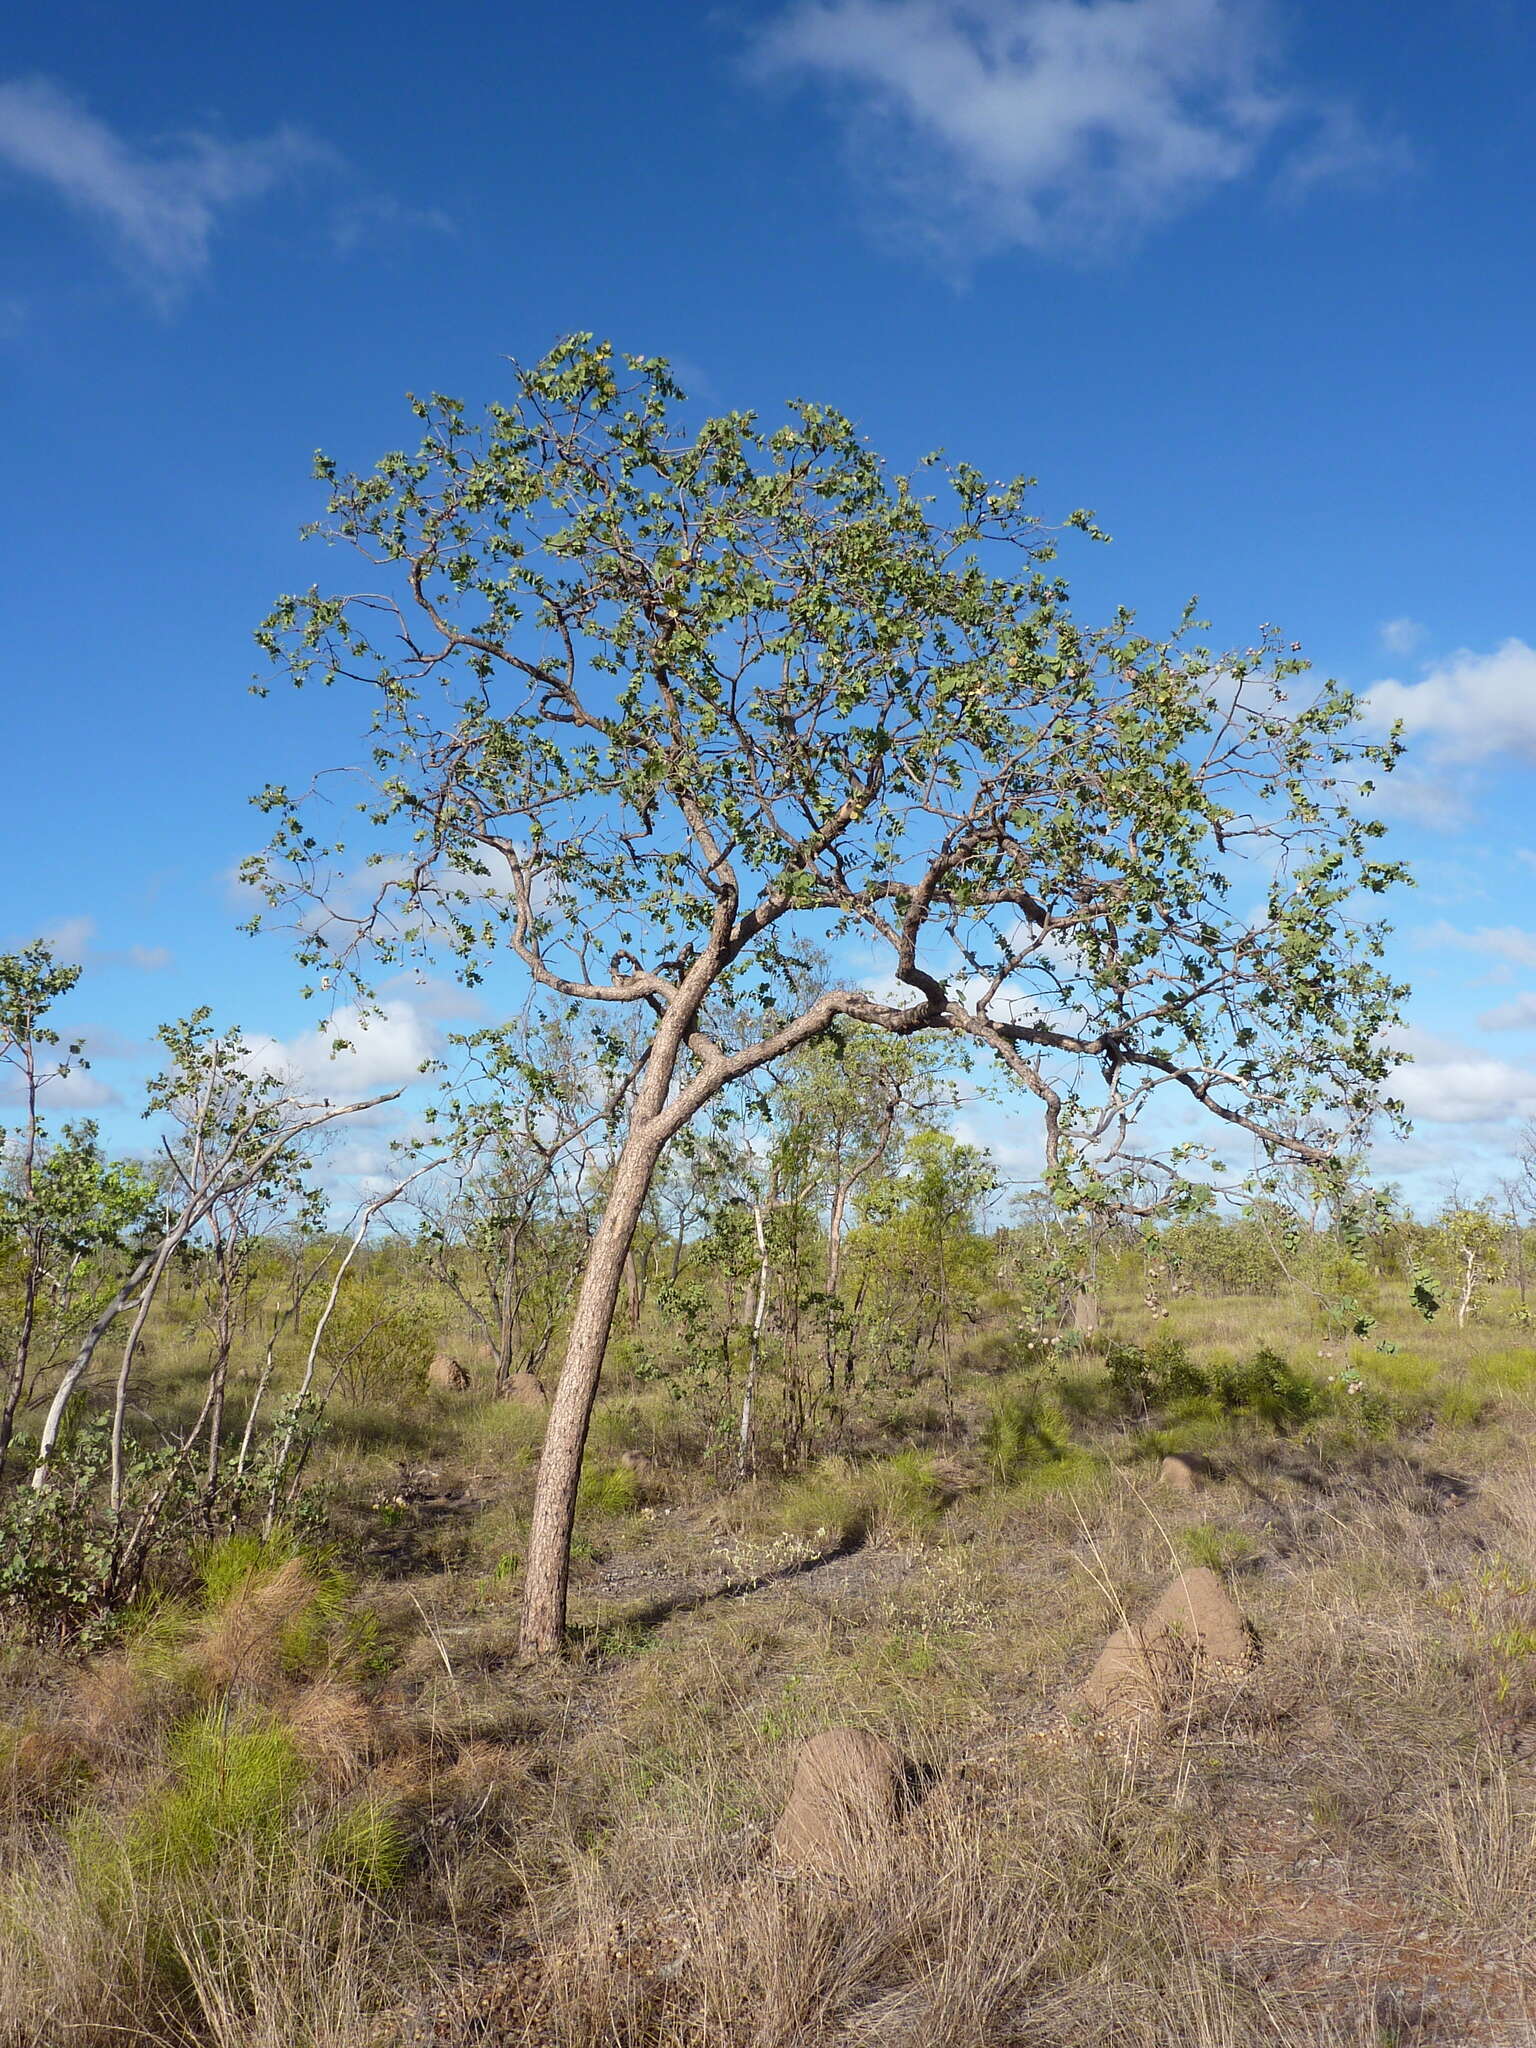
(547, 1576)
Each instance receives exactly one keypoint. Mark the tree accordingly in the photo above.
(504, 1225)
(947, 1182)
(1469, 1241)
(236, 1135)
(61, 1201)
(849, 1100)
(657, 706)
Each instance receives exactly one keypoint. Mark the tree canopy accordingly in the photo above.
(660, 706)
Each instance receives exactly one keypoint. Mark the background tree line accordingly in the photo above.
(176, 1323)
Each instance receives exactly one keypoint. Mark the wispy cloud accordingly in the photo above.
(1469, 707)
(373, 217)
(160, 205)
(1412, 796)
(70, 938)
(1516, 1015)
(1067, 123)
(74, 939)
(1501, 942)
(1401, 636)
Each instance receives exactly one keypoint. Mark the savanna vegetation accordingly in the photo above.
(410, 1613)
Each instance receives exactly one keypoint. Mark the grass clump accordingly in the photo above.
(607, 1490)
(1162, 1376)
(233, 1783)
(902, 1494)
(1222, 1550)
(365, 1844)
(271, 1613)
(1024, 1431)
(827, 1506)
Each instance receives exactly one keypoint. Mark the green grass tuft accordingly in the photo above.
(365, 1844)
(607, 1490)
(1025, 1429)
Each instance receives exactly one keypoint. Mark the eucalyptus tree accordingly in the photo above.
(523, 1134)
(61, 1201)
(947, 1183)
(849, 1101)
(658, 703)
(236, 1138)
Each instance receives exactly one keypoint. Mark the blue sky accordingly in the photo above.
(1256, 283)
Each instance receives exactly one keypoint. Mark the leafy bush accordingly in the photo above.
(380, 1339)
(1151, 1376)
(60, 1545)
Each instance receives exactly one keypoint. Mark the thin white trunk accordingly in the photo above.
(745, 1460)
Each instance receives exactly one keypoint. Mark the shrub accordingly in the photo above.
(1150, 1377)
(1269, 1388)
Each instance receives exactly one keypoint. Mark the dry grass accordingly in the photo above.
(584, 1849)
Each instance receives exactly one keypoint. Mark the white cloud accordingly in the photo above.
(1503, 941)
(383, 1051)
(1412, 796)
(1401, 636)
(1518, 1015)
(1471, 706)
(70, 939)
(74, 939)
(1066, 122)
(160, 206)
(75, 1089)
(1450, 1083)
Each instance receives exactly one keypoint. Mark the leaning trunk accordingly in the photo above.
(79, 1365)
(565, 1438)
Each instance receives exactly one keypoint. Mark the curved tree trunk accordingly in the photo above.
(79, 1365)
(565, 1439)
